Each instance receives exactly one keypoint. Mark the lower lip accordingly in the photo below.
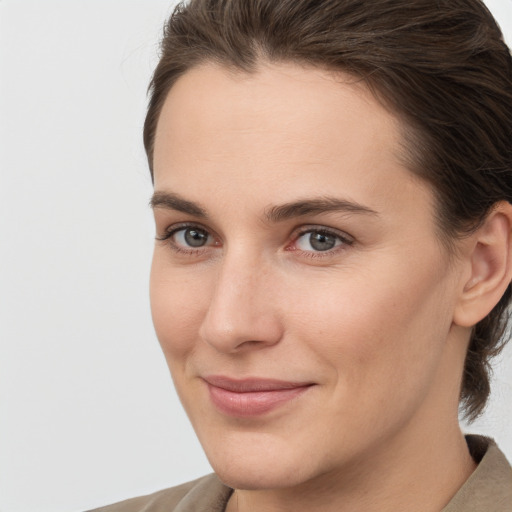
(252, 403)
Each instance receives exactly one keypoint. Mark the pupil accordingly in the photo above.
(195, 237)
(322, 242)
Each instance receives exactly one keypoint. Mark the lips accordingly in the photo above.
(253, 396)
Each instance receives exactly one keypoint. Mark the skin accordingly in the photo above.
(379, 324)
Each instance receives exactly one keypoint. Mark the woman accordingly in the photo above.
(333, 258)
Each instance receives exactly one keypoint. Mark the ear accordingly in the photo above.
(490, 267)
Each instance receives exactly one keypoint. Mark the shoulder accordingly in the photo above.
(207, 494)
(489, 488)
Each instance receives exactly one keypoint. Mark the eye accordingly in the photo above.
(320, 240)
(188, 238)
(193, 237)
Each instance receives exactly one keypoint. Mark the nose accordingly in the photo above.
(241, 314)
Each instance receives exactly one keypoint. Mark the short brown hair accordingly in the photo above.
(442, 66)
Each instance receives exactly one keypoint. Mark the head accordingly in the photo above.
(442, 68)
(332, 187)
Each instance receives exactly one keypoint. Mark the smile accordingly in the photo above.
(251, 397)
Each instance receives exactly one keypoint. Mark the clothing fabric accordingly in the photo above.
(488, 489)
(207, 494)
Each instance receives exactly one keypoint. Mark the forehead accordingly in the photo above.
(283, 128)
(285, 99)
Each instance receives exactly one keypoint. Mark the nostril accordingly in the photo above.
(237, 333)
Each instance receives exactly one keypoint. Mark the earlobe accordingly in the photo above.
(490, 260)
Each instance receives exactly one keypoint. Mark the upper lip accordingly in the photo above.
(252, 384)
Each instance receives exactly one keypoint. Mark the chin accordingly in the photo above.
(262, 463)
(260, 478)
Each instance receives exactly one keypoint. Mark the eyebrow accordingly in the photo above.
(315, 206)
(170, 201)
(275, 214)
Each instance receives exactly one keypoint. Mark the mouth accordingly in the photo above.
(253, 396)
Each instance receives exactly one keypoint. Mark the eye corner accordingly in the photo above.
(162, 237)
(329, 242)
(188, 239)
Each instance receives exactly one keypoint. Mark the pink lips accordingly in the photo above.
(251, 397)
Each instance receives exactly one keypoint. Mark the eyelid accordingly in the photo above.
(318, 228)
(346, 240)
(174, 228)
(184, 250)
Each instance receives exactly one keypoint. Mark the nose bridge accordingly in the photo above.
(241, 312)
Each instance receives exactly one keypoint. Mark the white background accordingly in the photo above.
(87, 411)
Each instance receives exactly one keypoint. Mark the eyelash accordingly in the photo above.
(170, 232)
(346, 240)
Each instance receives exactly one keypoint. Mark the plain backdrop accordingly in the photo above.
(88, 415)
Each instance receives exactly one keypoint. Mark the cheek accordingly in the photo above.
(178, 305)
(379, 335)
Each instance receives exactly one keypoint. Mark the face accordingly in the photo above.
(298, 288)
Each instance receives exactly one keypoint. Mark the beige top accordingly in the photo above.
(488, 489)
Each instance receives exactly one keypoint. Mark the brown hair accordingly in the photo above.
(442, 66)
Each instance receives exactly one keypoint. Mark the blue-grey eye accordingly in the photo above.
(318, 241)
(191, 237)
